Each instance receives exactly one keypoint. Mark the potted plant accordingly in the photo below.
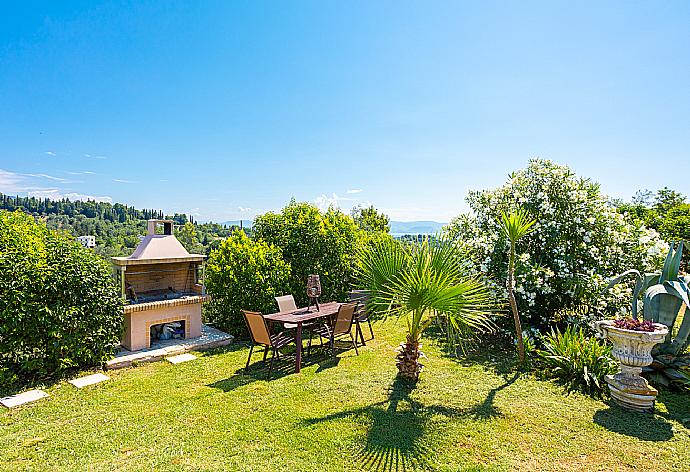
(666, 301)
(632, 341)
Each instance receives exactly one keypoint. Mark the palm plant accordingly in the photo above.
(419, 283)
(514, 226)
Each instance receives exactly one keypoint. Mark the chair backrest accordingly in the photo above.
(343, 321)
(358, 296)
(258, 329)
(286, 303)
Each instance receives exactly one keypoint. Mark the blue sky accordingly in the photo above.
(226, 109)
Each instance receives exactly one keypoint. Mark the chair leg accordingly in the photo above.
(333, 347)
(361, 333)
(309, 344)
(371, 330)
(265, 353)
(354, 342)
(270, 365)
(249, 358)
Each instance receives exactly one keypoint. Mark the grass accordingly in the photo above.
(352, 414)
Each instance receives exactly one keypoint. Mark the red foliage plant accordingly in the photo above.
(634, 325)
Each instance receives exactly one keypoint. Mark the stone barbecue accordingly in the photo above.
(163, 288)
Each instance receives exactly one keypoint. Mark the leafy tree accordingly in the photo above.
(422, 282)
(370, 220)
(313, 242)
(59, 306)
(666, 212)
(514, 226)
(243, 275)
(667, 199)
(188, 238)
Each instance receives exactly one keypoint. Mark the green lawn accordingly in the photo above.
(208, 415)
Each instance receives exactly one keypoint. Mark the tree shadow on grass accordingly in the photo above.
(283, 366)
(395, 438)
(645, 426)
(486, 409)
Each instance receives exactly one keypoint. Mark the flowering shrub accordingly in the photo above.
(579, 241)
(635, 325)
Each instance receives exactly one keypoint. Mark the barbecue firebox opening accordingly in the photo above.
(167, 331)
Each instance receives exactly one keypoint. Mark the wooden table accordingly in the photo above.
(300, 316)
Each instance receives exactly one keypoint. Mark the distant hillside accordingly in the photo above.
(247, 224)
(416, 227)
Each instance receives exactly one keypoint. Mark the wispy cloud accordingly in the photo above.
(49, 177)
(91, 156)
(14, 183)
(50, 153)
(11, 182)
(56, 194)
(83, 172)
(354, 190)
(242, 209)
(122, 181)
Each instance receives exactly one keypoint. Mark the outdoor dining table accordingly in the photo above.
(300, 316)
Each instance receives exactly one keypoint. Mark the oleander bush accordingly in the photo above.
(243, 274)
(576, 360)
(59, 307)
(579, 241)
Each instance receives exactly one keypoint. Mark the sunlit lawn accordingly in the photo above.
(208, 415)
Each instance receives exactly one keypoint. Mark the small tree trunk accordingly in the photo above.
(408, 363)
(513, 306)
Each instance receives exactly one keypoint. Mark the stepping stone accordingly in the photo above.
(180, 358)
(89, 380)
(22, 398)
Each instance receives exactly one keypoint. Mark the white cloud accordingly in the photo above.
(244, 209)
(50, 153)
(354, 190)
(122, 181)
(56, 194)
(324, 201)
(84, 172)
(11, 182)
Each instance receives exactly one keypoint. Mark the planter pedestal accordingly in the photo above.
(632, 391)
(633, 349)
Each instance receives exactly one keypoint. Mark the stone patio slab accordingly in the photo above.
(180, 358)
(89, 380)
(22, 398)
(210, 338)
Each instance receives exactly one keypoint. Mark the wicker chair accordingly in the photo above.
(361, 315)
(342, 326)
(261, 335)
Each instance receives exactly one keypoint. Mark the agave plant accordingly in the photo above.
(419, 283)
(666, 299)
(514, 226)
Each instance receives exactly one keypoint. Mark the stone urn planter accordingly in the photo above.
(633, 349)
